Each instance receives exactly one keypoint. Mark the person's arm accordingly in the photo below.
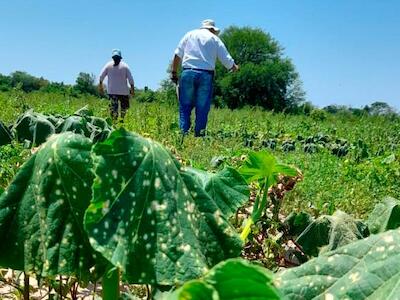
(131, 81)
(175, 65)
(179, 52)
(103, 75)
(225, 58)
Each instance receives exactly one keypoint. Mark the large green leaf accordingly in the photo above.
(151, 218)
(227, 188)
(233, 279)
(365, 269)
(5, 134)
(33, 127)
(41, 212)
(330, 232)
(262, 165)
(385, 216)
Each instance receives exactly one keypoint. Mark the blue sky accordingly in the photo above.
(346, 51)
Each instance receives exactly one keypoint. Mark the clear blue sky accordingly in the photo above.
(346, 51)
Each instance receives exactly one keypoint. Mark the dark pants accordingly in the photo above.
(115, 102)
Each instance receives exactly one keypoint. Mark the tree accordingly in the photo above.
(266, 78)
(380, 108)
(5, 83)
(27, 82)
(85, 84)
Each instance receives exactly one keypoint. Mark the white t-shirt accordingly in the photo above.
(117, 78)
(200, 48)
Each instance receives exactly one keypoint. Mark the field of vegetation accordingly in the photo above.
(339, 178)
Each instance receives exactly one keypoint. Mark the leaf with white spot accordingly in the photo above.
(330, 232)
(365, 269)
(227, 188)
(152, 219)
(234, 279)
(41, 213)
(385, 216)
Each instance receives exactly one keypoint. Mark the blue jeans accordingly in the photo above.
(195, 91)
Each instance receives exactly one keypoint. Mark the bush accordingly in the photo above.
(266, 78)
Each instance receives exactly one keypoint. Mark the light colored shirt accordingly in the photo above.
(117, 77)
(200, 48)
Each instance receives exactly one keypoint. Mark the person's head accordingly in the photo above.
(210, 25)
(116, 56)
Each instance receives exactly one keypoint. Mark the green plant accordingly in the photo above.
(263, 169)
(365, 269)
(232, 279)
(385, 216)
(331, 232)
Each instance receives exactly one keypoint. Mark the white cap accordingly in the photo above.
(209, 24)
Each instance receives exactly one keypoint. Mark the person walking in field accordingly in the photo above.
(118, 74)
(197, 52)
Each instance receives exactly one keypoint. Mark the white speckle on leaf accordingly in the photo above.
(329, 297)
(388, 239)
(354, 277)
(157, 183)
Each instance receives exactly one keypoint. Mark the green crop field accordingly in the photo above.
(346, 170)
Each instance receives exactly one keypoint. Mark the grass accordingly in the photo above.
(351, 183)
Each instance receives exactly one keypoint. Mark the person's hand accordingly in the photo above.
(174, 77)
(234, 68)
(101, 89)
(132, 91)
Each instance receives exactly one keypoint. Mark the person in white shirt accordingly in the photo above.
(118, 75)
(197, 52)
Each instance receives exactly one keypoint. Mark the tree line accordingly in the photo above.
(267, 79)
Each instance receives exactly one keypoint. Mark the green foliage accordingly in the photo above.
(297, 222)
(36, 128)
(26, 82)
(318, 114)
(5, 83)
(365, 269)
(41, 212)
(330, 232)
(146, 95)
(5, 134)
(227, 188)
(380, 108)
(33, 127)
(266, 78)
(264, 169)
(385, 216)
(85, 84)
(232, 279)
(151, 218)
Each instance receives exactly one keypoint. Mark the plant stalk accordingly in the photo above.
(110, 284)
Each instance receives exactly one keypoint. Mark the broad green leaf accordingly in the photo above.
(5, 134)
(365, 269)
(233, 279)
(227, 188)
(194, 290)
(385, 216)
(41, 212)
(84, 112)
(296, 223)
(33, 127)
(330, 232)
(151, 218)
(263, 165)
